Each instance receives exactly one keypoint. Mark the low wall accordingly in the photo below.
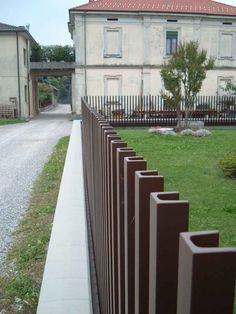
(66, 280)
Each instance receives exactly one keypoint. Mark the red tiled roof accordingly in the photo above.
(169, 6)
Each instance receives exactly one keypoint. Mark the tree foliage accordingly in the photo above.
(184, 74)
(45, 94)
(52, 53)
(36, 53)
(58, 53)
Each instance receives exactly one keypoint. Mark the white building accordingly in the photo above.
(121, 45)
(15, 80)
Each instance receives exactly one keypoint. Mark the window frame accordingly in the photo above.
(166, 30)
(106, 54)
(25, 57)
(26, 93)
(221, 79)
(220, 56)
(113, 77)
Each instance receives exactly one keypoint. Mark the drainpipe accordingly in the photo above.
(85, 55)
(28, 74)
(18, 73)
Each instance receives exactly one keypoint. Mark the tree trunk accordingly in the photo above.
(186, 118)
(179, 117)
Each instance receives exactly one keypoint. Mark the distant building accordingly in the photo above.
(15, 79)
(121, 45)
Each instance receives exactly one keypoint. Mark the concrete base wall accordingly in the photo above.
(66, 280)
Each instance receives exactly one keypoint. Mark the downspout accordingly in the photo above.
(85, 55)
(28, 74)
(18, 73)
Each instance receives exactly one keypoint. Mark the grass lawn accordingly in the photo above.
(20, 283)
(190, 166)
(4, 121)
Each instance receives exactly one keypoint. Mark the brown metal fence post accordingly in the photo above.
(114, 215)
(121, 154)
(168, 217)
(206, 274)
(103, 247)
(108, 139)
(131, 164)
(105, 195)
(135, 226)
(146, 182)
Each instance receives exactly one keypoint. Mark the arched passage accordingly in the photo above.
(50, 69)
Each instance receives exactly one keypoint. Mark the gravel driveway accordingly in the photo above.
(24, 148)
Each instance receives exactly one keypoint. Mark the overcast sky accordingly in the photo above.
(47, 18)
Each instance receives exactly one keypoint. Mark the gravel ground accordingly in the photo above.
(24, 148)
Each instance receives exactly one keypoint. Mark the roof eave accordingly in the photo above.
(150, 12)
(24, 31)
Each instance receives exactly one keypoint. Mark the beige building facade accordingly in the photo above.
(120, 51)
(15, 79)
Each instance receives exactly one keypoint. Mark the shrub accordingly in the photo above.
(228, 165)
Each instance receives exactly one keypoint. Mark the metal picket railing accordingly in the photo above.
(146, 261)
(153, 110)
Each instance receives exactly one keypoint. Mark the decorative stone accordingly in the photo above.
(162, 131)
(187, 132)
(193, 125)
(202, 133)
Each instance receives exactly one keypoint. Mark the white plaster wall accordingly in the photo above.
(210, 86)
(143, 41)
(9, 73)
(8, 66)
(130, 79)
(132, 41)
(210, 40)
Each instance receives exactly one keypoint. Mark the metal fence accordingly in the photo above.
(146, 260)
(153, 110)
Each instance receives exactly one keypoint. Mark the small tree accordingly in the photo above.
(230, 88)
(188, 68)
(172, 81)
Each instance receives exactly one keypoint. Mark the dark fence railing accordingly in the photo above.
(146, 260)
(153, 110)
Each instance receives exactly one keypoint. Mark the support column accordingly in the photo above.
(146, 56)
(78, 90)
(35, 100)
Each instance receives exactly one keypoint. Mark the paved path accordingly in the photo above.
(24, 148)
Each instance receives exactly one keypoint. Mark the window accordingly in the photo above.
(25, 56)
(115, 19)
(222, 81)
(172, 21)
(171, 42)
(26, 93)
(112, 43)
(113, 85)
(226, 45)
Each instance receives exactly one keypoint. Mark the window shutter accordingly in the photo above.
(226, 45)
(112, 42)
